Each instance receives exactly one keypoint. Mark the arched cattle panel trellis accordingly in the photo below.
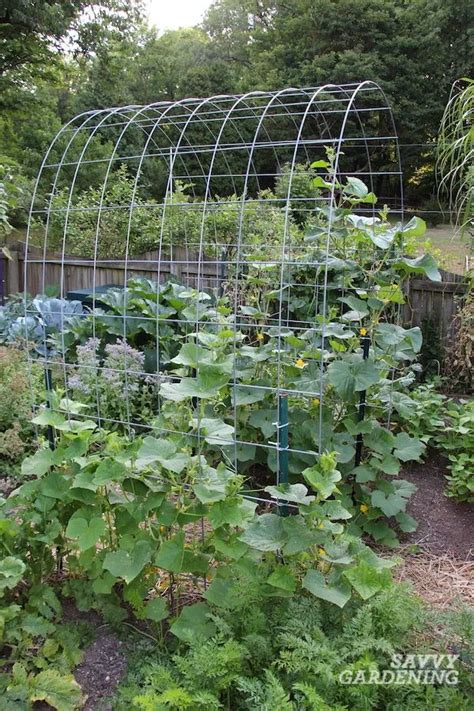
(239, 241)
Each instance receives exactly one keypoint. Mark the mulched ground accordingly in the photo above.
(101, 670)
(104, 662)
(444, 525)
(438, 558)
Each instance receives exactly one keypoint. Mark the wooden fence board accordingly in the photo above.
(434, 301)
(71, 273)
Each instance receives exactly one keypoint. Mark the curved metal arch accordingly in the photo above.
(226, 115)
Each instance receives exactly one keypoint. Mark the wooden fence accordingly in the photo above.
(73, 273)
(434, 301)
(425, 300)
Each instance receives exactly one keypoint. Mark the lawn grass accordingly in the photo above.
(451, 250)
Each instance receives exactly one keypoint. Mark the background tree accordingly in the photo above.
(60, 58)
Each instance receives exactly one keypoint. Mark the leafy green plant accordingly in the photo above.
(45, 316)
(457, 440)
(289, 654)
(178, 220)
(448, 425)
(195, 368)
(116, 513)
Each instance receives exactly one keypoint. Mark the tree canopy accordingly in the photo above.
(60, 58)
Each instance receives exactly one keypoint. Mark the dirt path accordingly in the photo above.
(444, 525)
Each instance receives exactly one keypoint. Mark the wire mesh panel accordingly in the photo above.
(214, 243)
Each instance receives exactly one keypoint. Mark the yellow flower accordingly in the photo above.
(300, 363)
(315, 401)
(321, 551)
(364, 508)
(363, 331)
(260, 336)
(321, 525)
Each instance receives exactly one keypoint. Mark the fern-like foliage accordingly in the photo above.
(308, 699)
(267, 694)
(295, 662)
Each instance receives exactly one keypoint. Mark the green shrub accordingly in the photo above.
(104, 224)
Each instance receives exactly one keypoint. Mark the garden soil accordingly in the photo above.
(444, 525)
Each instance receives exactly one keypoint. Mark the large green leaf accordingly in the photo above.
(335, 511)
(156, 609)
(59, 690)
(11, 572)
(299, 536)
(87, 533)
(171, 554)
(128, 564)
(283, 578)
(322, 481)
(381, 532)
(265, 420)
(108, 471)
(205, 386)
(355, 188)
(359, 308)
(350, 376)
(162, 451)
(215, 430)
(366, 580)
(265, 533)
(380, 440)
(48, 418)
(39, 463)
(425, 264)
(406, 523)
(54, 485)
(390, 503)
(296, 493)
(223, 592)
(77, 426)
(408, 448)
(339, 594)
(364, 473)
(416, 227)
(235, 512)
(195, 356)
(404, 343)
(37, 625)
(388, 464)
(211, 484)
(230, 548)
(247, 395)
(194, 624)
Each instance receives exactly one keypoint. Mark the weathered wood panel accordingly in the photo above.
(71, 273)
(434, 301)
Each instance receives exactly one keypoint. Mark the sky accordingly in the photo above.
(171, 14)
